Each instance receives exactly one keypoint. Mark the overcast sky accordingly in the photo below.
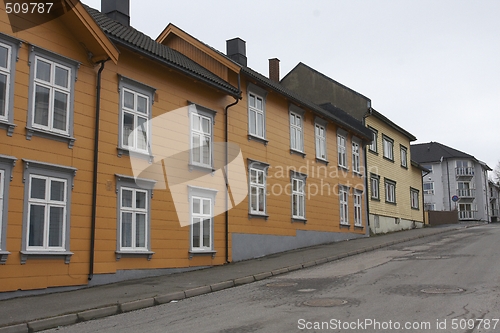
(431, 66)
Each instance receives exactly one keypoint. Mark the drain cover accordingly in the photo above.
(442, 290)
(325, 302)
(281, 284)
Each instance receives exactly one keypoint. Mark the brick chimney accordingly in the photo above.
(274, 69)
(118, 10)
(236, 50)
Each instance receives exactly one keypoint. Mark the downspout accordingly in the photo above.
(367, 194)
(423, 199)
(226, 177)
(94, 180)
(449, 185)
(485, 175)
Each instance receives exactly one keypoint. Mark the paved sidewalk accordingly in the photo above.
(40, 312)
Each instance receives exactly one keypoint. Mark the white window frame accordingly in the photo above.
(296, 132)
(428, 191)
(390, 191)
(298, 183)
(358, 213)
(414, 199)
(374, 145)
(134, 211)
(203, 136)
(256, 126)
(404, 156)
(6, 165)
(256, 168)
(344, 205)
(388, 144)
(320, 139)
(356, 159)
(375, 186)
(201, 194)
(428, 205)
(6, 71)
(2, 189)
(12, 44)
(342, 150)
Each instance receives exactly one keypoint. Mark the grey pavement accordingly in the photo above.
(40, 312)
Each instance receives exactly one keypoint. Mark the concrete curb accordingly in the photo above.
(69, 319)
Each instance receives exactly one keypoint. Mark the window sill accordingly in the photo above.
(297, 152)
(258, 139)
(32, 131)
(344, 226)
(202, 168)
(46, 255)
(257, 216)
(404, 167)
(341, 167)
(373, 152)
(133, 254)
(415, 208)
(299, 219)
(8, 126)
(358, 174)
(388, 159)
(391, 203)
(375, 199)
(358, 227)
(135, 154)
(3, 257)
(320, 160)
(194, 253)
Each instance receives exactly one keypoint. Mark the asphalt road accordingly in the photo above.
(443, 283)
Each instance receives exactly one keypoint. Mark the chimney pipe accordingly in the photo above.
(236, 50)
(118, 10)
(274, 70)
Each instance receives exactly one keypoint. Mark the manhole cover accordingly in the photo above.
(281, 284)
(306, 290)
(325, 302)
(442, 290)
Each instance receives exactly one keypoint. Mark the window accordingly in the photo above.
(9, 48)
(390, 191)
(414, 198)
(358, 195)
(375, 186)
(374, 146)
(136, 100)
(388, 148)
(428, 187)
(257, 199)
(355, 157)
(404, 157)
(257, 113)
(202, 120)
(298, 196)
(429, 206)
(6, 165)
(51, 102)
(320, 138)
(46, 218)
(201, 212)
(342, 155)
(296, 129)
(344, 205)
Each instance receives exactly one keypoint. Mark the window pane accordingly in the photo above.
(301, 205)
(253, 176)
(142, 104)
(196, 232)
(128, 100)
(262, 197)
(260, 177)
(206, 207)
(294, 138)
(3, 94)
(206, 233)
(56, 190)
(56, 226)
(37, 216)
(252, 124)
(259, 104)
(253, 198)
(62, 77)
(140, 200)
(140, 230)
(195, 122)
(42, 70)
(4, 56)
(60, 110)
(142, 134)
(196, 150)
(260, 125)
(127, 198)
(128, 127)
(41, 106)
(196, 206)
(126, 229)
(205, 125)
(251, 100)
(206, 150)
(294, 205)
(37, 188)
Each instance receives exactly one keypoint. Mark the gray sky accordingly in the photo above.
(431, 66)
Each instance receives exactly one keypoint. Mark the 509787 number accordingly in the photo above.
(28, 7)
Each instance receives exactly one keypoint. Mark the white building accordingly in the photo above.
(457, 181)
(494, 200)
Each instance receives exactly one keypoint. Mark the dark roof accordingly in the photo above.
(345, 117)
(138, 41)
(337, 115)
(434, 151)
(386, 120)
